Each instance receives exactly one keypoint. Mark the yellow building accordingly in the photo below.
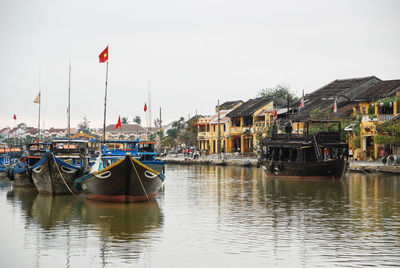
(203, 133)
(377, 105)
(250, 122)
(219, 128)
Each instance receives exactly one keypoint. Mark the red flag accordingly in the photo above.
(335, 106)
(36, 141)
(145, 107)
(15, 117)
(301, 103)
(119, 123)
(275, 113)
(103, 57)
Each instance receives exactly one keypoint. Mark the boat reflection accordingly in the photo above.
(25, 196)
(53, 210)
(122, 221)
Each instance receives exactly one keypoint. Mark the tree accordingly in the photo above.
(282, 91)
(172, 132)
(22, 126)
(137, 120)
(84, 126)
(124, 120)
(157, 123)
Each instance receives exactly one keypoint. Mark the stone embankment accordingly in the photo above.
(374, 166)
(211, 160)
(357, 166)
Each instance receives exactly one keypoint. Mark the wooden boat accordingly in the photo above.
(126, 180)
(57, 169)
(8, 156)
(20, 172)
(300, 156)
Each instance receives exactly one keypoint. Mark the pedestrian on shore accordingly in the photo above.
(384, 160)
(326, 153)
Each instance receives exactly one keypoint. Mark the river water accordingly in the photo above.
(210, 216)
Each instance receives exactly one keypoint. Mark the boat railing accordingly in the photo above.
(288, 137)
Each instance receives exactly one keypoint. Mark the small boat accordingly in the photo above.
(20, 171)
(124, 173)
(301, 156)
(58, 168)
(8, 156)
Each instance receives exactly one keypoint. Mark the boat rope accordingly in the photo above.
(62, 177)
(137, 174)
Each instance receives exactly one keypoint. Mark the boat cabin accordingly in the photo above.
(305, 147)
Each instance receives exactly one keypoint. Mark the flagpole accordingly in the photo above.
(105, 107)
(39, 115)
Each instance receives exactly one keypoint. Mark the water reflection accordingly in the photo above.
(209, 216)
(122, 222)
(50, 211)
(23, 197)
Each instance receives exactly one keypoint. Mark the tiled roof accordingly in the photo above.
(229, 104)
(126, 128)
(222, 117)
(381, 90)
(324, 96)
(249, 107)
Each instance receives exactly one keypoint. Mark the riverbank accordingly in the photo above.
(211, 160)
(357, 166)
(373, 166)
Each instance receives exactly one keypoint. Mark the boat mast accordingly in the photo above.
(38, 137)
(160, 131)
(69, 103)
(105, 107)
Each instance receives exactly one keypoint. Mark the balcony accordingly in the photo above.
(385, 117)
(368, 118)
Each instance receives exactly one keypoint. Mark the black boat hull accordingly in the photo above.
(331, 169)
(53, 176)
(126, 181)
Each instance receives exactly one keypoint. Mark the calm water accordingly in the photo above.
(210, 216)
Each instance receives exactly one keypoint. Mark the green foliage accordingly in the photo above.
(389, 133)
(317, 113)
(124, 120)
(357, 142)
(282, 91)
(371, 109)
(84, 126)
(382, 139)
(172, 132)
(137, 120)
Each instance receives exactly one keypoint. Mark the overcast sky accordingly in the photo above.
(194, 52)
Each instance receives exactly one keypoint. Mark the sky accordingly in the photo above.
(189, 53)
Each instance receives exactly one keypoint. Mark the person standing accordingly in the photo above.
(326, 153)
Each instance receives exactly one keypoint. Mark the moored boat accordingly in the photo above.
(20, 171)
(58, 168)
(125, 180)
(313, 156)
